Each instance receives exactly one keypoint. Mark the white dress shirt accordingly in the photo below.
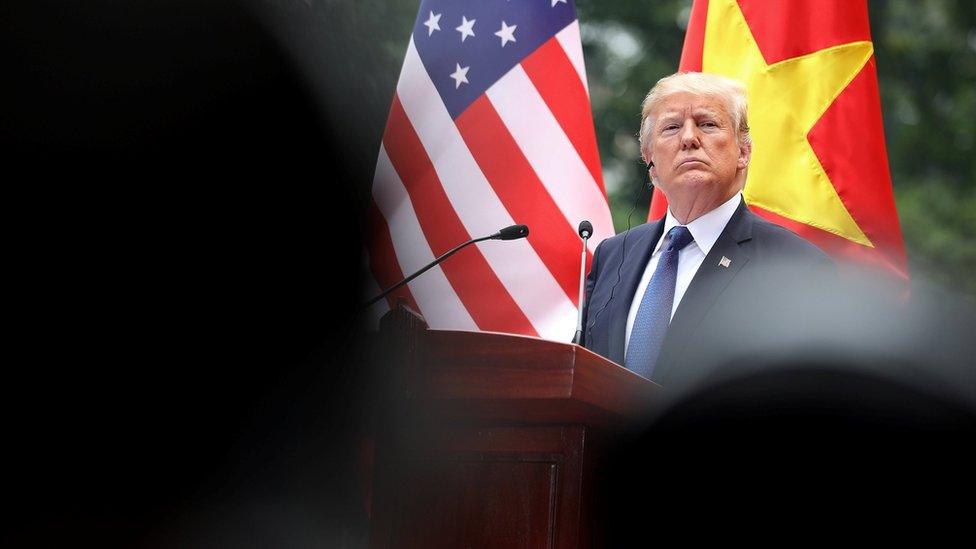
(705, 230)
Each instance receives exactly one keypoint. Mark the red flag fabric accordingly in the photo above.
(490, 126)
(819, 165)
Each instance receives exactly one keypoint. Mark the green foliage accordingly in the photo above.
(937, 220)
(926, 54)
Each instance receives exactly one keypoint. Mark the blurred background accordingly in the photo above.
(926, 59)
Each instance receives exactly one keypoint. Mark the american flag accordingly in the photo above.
(490, 126)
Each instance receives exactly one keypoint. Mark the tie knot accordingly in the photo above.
(678, 238)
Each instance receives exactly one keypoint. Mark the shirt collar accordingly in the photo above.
(707, 228)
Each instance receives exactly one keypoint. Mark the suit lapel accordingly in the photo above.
(707, 285)
(630, 275)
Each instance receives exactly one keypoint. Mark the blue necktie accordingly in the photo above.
(654, 313)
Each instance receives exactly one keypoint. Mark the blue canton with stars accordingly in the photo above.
(467, 46)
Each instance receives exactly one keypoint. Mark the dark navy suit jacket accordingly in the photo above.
(767, 265)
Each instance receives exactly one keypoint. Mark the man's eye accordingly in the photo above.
(709, 124)
(670, 127)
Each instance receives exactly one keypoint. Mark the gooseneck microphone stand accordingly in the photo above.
(508, 233)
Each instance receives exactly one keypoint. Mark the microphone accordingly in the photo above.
(585, 229)
(585, 232)
(508, 233)
(511, 233)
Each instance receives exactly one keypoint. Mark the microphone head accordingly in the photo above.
(513, 233)
(585, 229)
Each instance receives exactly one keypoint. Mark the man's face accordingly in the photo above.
(695, 150)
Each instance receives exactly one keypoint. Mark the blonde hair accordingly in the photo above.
(732, 92)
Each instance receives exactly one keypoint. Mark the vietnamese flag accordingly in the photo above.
(819, 165)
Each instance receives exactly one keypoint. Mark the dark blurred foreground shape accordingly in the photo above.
(802, 452)
(185, 255)
(847, 409)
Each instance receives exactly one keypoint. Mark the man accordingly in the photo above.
(659, 295)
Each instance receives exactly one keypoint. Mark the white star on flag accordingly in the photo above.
(467, 28)
(432, 23)
(460, 75)
(554, 2)
(507, 34)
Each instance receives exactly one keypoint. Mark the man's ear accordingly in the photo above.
(745, 155)
(650, 166)
(646, 157)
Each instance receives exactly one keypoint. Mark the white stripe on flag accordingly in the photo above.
(551, 153)
(569, 39)
(480, 210)
(440, 305)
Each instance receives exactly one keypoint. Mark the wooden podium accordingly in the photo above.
(495, 440)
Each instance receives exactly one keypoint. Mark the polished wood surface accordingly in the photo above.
(514, 486)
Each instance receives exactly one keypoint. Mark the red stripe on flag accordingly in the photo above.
(482, 293)
(382, 258)
(521, 191)
(691, 53)
(833, 245)
(554, 76)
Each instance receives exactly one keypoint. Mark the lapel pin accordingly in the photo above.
(725, 262)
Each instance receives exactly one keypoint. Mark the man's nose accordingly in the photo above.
(689, 135)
